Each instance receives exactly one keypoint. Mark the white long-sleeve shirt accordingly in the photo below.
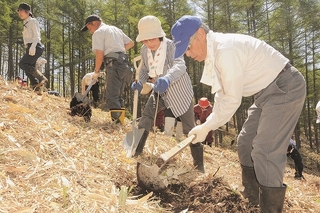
(31, 31)
(244, 66)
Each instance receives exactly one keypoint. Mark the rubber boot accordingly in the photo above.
(197, 154)
(38, 75)
(169, 125)
(118, 115)
(272, 198)
(251, 185)
(142, 143)
(179, 130)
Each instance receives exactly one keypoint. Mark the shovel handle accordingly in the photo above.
(136, 93)
(93, 81)
(177, 148)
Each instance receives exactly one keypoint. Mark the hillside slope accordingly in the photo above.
(52, 162)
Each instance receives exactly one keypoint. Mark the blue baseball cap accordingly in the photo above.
(182, 31)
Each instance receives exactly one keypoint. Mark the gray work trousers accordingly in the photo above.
(148, 114)
(264, 138)
(118, 76)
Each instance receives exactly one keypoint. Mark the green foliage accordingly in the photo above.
(291, 26)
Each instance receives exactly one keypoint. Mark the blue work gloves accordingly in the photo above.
(161, 84)
(136, 86)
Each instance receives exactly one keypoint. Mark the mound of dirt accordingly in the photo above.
(213, 196)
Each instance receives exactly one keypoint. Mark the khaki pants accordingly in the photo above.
(264, 138)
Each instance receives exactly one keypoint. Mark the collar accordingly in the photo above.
(26, 20)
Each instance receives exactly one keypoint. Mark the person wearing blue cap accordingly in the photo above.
(172, 85)
(240, 65)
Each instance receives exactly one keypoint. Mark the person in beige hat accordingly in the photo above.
(172, 84)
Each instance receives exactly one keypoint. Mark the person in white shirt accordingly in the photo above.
(239, 65)
(32, 41)
(110, 44)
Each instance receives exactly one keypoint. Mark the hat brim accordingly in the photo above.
(84, 28)
(181, 48)
(150, 35)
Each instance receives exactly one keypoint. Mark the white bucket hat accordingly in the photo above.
(149, 27)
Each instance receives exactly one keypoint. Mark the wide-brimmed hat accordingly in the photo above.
(149, 27)
(204, 102)
(182, 31)
(26, 7)
(90, 18)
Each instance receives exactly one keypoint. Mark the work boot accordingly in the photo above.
(272, 199)
(38, 75)
(251, 185)
(142, 143)
(169, 123)
(117, 115)
(197, 154)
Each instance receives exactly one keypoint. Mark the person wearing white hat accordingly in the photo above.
(172, 83)
(237, 66)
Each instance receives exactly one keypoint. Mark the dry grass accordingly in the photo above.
(52, 162)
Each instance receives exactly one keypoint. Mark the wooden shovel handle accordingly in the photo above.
(135, 96)
(176, 149)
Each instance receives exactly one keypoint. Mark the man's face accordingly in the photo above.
(93, 26)
(197, 49)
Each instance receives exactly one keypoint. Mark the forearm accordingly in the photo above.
(129, 45)
(99, 60)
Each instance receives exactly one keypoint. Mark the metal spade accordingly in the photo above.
(131, 141)
(149, 177)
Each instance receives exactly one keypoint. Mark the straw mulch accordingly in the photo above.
(53, 162)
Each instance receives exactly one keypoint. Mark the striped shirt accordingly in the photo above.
(178, 96)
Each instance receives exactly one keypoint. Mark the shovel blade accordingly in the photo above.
(149, 177)
(81, 98)
(131, 141)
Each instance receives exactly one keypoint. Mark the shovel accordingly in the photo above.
(79, 98)
(149, 176)
(131, 141)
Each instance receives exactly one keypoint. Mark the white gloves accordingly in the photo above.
(95, 75)
(200, 132)
(32, 50)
